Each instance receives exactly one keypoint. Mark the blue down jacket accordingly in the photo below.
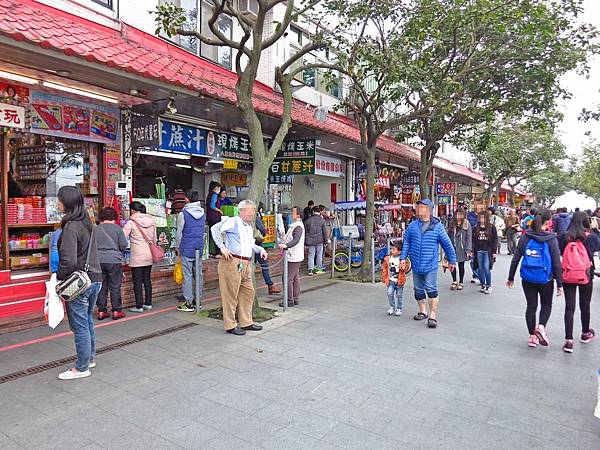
(423, 248)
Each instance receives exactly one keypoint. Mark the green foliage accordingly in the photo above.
(169, 18)
(587, 172)
(550, 183)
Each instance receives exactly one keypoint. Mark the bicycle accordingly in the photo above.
(340, 259)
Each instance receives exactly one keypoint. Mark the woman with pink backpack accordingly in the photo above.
(578, 246)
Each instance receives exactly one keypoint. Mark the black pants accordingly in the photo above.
(534, 291)
(461, 272)
(141, 277)
(112, 278)
(585, 300)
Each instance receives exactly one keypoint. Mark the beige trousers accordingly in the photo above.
(237, 292)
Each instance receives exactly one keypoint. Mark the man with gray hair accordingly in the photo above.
(234, 236)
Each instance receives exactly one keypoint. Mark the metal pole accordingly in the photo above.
(373, 260)
(198, 276)
(389, 244)
(285, 281)
(350, 256)
(333, 257)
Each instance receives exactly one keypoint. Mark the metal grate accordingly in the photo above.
(61, 362)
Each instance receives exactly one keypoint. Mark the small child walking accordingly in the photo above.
(395, 279)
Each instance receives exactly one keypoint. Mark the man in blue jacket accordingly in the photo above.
(421, 242)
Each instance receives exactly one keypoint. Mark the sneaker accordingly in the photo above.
(320, 270)
(542, 336)
(92, 364)
(588, 337)
(398, 312)
(73, 374)
(533, 341)
(390, 311)
(116, 315)
(147, 307)
(475, 281)
(488, 290)
(103, 315)
(483, 290)
(186, 307)
(568, 346)
(136, 310)
(311, 272)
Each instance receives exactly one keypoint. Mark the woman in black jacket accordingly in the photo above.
(73, 245)
(485, 245)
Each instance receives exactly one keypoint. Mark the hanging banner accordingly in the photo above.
(444, 199)
(144, 131)
(297, 166)
(65, 117)
(228, 146)
(12, 116)
(328, 166)
(182, 138)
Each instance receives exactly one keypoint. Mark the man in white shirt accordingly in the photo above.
(235, 238)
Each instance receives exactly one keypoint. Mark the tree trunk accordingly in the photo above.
(365, 270)
(260, 172)
(425, 173)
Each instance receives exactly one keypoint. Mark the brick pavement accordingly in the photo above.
(335, 373)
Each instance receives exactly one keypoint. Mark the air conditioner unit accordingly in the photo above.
(249, 7)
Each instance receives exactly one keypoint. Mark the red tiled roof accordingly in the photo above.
(134, 51)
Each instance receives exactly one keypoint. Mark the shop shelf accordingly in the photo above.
(11, 250)
(32, 225)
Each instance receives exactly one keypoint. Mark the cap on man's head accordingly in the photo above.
(426, 202)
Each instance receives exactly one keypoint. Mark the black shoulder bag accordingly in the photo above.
(79, 281)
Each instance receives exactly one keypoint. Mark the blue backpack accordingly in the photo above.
(536, 266)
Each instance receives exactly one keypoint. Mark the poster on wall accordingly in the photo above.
(157, 208)
(269, 223)
(55, 115)
(112, 171)
(13, 92)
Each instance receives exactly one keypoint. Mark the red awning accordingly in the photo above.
(134, 51)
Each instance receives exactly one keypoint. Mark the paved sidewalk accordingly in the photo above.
(336, 372)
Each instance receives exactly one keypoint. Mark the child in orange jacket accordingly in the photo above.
(395, 279)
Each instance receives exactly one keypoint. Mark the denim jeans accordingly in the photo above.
(475, 272)
(81, 321)
(188, 267)
(425, 285)
(395, 294)
(264, 266)
(485, 271)
(315, 250)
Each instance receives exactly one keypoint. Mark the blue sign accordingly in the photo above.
(182, 138)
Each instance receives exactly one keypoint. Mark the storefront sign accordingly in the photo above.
(269, 223)
(112, 172)
(445, 188)
(228, 146)
(281, 179)
(297, 166)
(234, 179)
(297, 149)
(65, 117)
(182, 138)
(230, 164)
(382, 182)
(444, 199)
(328, 167)
(12, 116)
(407, 195)
(144, 131)
(411, 178)
(393, 173)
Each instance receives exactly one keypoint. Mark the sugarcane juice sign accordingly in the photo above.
(295, 158)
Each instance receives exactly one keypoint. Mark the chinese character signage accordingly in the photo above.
(12, 116)
(228, 146)
(444, 199)
(411, 178)
(281, 179)
(445, 188)
(382, 182)
(269, 223)
(329, 167)
(144, 131)
(65, 117)
(182, 138)
(298, 166)
(230, 164)
(234, 179)
(297, 149)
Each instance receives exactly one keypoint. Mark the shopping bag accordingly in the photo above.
(53, 307)
(178, 272)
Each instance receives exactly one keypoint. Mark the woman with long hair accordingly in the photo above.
(485, 246)
(578, 233)
(540, 267)
(213, 213)
(140, 229)
(76, 239)
(461, 236)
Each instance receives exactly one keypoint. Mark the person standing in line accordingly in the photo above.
(235, 238)
(141, 230)
(316, 239)
(394, 278)
(308, 210)
(263, 263)
(293, 244)
(76, 240)
(562, 221)
(485, 244)
(540, 268)
(578, 246)
(461, 236)
(472, 218)
(511, 222)
(421, 242)
(191, 223)
(213, 214)
(498, 223)
(177, 200)
(111, 242)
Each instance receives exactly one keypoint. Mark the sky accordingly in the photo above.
(586, 94)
